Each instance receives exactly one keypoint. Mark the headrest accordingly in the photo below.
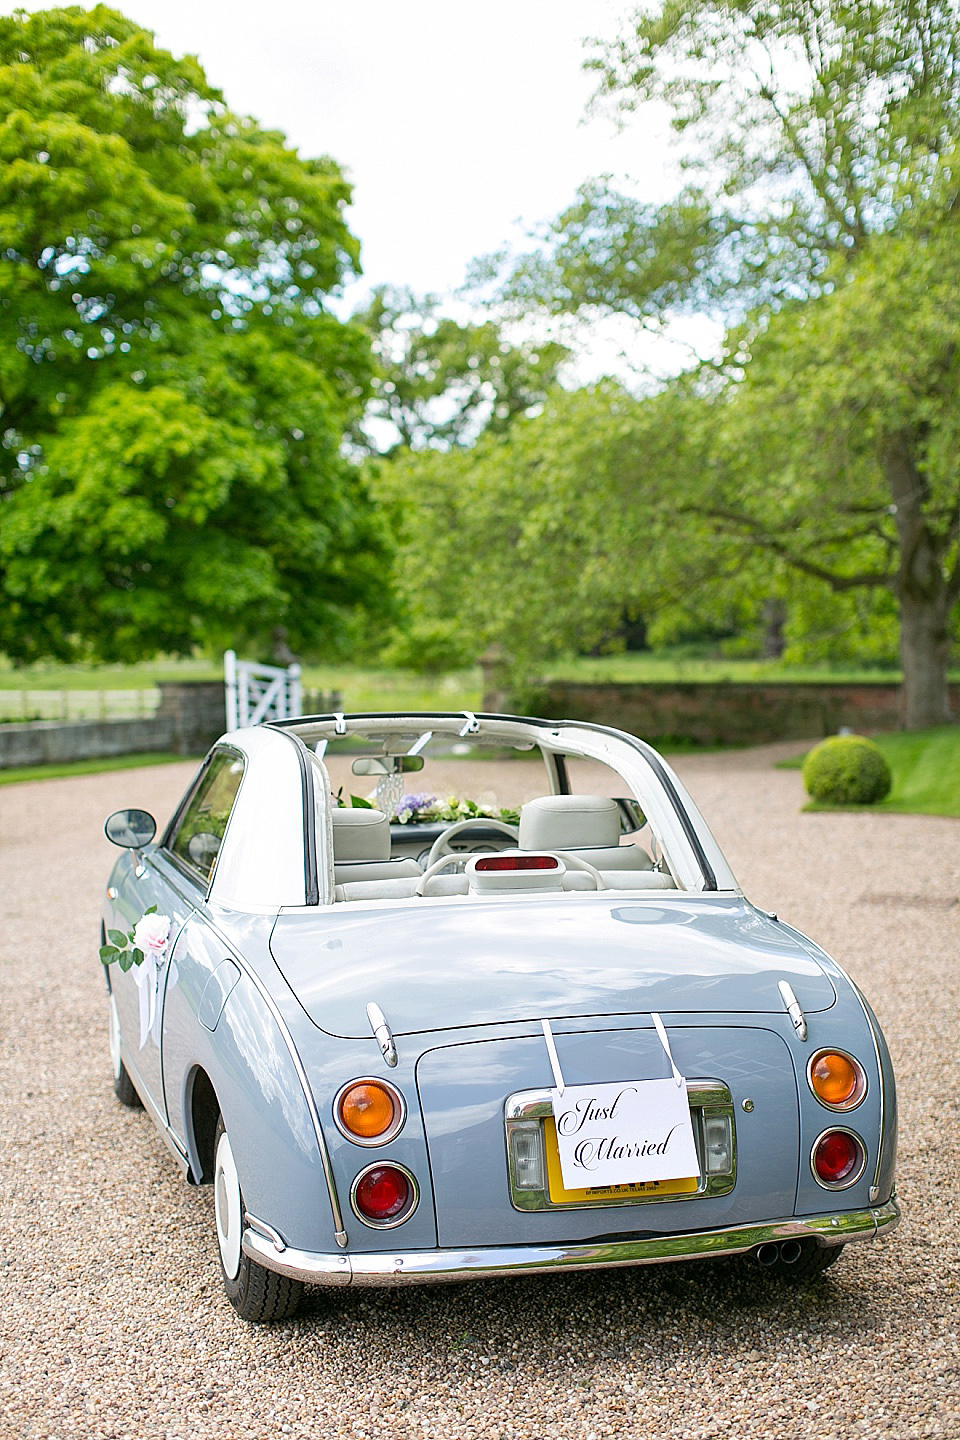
(360, 835)
(569, 822)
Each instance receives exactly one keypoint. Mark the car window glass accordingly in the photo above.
(201, 830)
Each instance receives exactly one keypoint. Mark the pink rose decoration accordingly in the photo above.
(151, 935)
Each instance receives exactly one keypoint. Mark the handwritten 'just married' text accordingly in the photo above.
(591, 1150)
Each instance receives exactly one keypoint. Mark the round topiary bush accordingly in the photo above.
(847, 770)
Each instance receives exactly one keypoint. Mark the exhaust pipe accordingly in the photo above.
(787, 1252)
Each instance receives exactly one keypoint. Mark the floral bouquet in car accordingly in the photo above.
(418, 809)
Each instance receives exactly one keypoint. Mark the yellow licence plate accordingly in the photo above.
(636, 1190)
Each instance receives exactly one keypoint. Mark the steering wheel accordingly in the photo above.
(436, 867)
(441, 845)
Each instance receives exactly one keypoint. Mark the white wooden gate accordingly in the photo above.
(260, 692)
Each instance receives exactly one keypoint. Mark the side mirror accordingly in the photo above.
(387, 765)
(130, 829)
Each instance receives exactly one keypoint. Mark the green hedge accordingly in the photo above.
(847, 770)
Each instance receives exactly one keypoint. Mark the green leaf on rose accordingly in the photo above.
(151, 911)
(108, 953)
(126, 960)
(119, 939)
(137, 957)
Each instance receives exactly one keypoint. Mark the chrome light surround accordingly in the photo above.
(859, 1094)
(855, 1174)
(391, 1130)
(395, 1220)
(710, 1100)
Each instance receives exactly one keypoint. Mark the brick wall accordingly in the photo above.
(730, 714)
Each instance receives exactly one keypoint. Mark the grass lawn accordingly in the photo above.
(926, 773)
(362, 687)
(92, 767)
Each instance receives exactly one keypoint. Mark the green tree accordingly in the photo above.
(173, 390)
(441, 382)
(537, 540)
(818, 143)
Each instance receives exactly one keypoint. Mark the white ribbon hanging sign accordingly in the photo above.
(624, 1133)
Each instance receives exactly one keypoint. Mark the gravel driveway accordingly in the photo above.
(112, 1322)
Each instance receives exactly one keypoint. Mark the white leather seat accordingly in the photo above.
(361, 848)
(584, 825)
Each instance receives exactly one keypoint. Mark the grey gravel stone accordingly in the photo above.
(112, 1323)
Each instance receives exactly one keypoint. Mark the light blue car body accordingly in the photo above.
(270, 971)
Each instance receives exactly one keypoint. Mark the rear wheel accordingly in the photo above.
(257, 1294)
(122, 1084)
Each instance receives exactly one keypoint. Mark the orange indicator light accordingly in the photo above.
(368, 1109)
(837, 1080)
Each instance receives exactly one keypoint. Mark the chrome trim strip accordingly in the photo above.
(400, 1267)
(340, 1233)
(261, 1226)
(882, 1092)
(794, 1009)
(339, 1229)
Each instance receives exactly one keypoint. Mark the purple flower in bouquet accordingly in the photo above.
(413, 805)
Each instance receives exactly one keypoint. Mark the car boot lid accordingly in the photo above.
(520, 961)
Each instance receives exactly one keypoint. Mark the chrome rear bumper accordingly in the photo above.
(410, 1267)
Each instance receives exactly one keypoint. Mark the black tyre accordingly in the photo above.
(812, 1260)
(123, 1086)
(257, 1294)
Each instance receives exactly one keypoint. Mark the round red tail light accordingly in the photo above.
(384, 1195)
(838, 1159)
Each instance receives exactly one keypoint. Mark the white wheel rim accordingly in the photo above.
(226, 1189)
(115, 1039)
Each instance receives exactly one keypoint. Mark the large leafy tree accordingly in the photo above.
(534, 540)
(818, 139)
(443, 382)
(173, 389)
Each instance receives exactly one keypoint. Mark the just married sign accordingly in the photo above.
(622, 1133)
(618, 1134)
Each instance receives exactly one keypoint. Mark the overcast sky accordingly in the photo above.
(460, 125)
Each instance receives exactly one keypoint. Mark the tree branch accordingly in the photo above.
(762, 537)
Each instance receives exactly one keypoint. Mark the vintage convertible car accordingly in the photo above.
(405, 1046)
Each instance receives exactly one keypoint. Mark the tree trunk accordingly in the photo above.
(924, 654)
(921, 589)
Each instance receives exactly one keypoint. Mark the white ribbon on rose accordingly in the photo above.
(151, 936)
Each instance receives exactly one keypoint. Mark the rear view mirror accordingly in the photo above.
(131, 829)
(387, 764)
(203, 848)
